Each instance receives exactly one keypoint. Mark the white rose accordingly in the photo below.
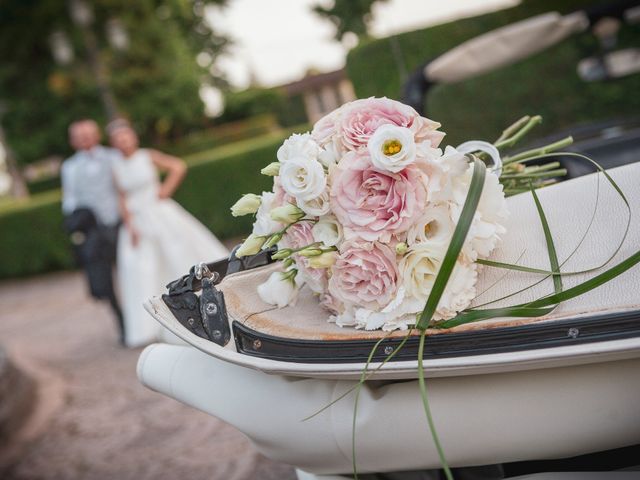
(278, 290)
(298, 145)
(435, 225)
(264, 224)
(303, 178)
(419, 267)
(392, 148)
(316, 207)
(328, 231)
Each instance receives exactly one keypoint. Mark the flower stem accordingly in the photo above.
(513, 139)
(565, 142)
(540, 174)
(513, 128)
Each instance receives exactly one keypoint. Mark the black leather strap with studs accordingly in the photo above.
(206, 315)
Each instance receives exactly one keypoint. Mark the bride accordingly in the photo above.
(160, 240)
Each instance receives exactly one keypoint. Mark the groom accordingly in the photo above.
(90, 206)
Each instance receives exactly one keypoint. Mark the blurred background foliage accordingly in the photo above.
(148, 48)
(545, 84)
(156, 80)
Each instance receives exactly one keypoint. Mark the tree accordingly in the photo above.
(146, 48)
(348, 16)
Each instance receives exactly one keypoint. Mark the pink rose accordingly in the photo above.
(300, 235)
(365, 274)
(331, 304)
(361, 118)
(426, 130)
(325, 128)
(376, 204)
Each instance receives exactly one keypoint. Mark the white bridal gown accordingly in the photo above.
(170, 241)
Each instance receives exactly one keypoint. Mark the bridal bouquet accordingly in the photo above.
(362, 211)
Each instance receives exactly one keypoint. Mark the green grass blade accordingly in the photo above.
(427, 408)
(544, 305)
(456, 243)
(523, 268)
(551, 248)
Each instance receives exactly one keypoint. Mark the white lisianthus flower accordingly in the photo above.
(264, 224)
(248, 203)
(316, 207)
(435, 225)
(303, 178)
(419, 267)
(296, 146)
(250, 246)
(460, 291)
(392, 148)
(446, 171)
(490, 218)
(328, 231)
(329, 155)
(279, 290)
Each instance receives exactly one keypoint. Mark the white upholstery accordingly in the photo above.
(482, 419)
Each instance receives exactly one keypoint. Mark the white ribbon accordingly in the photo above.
(478, 145)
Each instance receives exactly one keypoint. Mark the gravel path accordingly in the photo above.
(105, 425)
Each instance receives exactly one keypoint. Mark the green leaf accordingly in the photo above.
(427, 408)
(455, 246)
(553, 256)
(522, 268)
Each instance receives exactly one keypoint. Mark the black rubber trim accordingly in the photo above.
(559, 333)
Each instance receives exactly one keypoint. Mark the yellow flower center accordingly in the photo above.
(391, 147)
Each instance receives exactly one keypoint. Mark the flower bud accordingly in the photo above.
(273, 239)
(286, 214)
(247, 204)
(310, 252)
(325, 260)
(402, 248)
(251, 246)
(288, 262)
(271, 170)
(289, 275)
(281, 254)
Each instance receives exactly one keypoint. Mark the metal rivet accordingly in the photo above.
(216, 334)
(388, 350)
(211, 308)
(190, 321)
(257, 344)
(573, 333)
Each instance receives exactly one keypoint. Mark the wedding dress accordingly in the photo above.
(170, 241)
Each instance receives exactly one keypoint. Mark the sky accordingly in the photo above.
(278, 41)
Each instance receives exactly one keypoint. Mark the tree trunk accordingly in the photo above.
(18, 185)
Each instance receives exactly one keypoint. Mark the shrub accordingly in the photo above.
(32, 239)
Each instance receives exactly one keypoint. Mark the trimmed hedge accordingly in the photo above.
(222, 134)
(546, 83)
(32, 239)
